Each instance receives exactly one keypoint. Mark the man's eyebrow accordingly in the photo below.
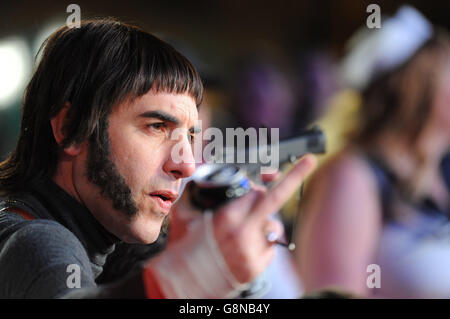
(163, 116)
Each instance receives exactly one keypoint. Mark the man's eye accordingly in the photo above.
(157, 126)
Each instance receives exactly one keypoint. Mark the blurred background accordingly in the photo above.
(283, 52)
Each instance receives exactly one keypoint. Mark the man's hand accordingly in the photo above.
(213, 255)
(240, 227)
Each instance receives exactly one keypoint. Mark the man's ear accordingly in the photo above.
(57, 123)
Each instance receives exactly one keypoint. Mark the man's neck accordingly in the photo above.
(63, 177)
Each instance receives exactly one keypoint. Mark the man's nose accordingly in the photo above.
(180, 162)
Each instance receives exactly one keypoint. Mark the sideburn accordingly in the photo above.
(102, 171)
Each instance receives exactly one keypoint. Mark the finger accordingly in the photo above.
(270, 177)
(230, 219)
(239, 208)
(282, 191)
(258, 187)
(274, 231)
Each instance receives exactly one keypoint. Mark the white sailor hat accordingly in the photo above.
(373, 52)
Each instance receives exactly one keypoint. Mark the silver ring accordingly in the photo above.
(272, 237)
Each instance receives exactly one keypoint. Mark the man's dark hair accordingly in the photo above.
(93, 68)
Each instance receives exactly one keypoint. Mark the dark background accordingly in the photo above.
(215, 34)
(216, 24)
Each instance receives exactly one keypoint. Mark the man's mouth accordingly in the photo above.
(164, 199)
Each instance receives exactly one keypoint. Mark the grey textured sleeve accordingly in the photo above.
(43, 259)
(35, 262)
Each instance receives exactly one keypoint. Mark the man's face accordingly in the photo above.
(131, 186)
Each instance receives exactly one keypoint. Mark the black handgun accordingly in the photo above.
(214, 184)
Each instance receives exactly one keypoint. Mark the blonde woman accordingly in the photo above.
(381, 206)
